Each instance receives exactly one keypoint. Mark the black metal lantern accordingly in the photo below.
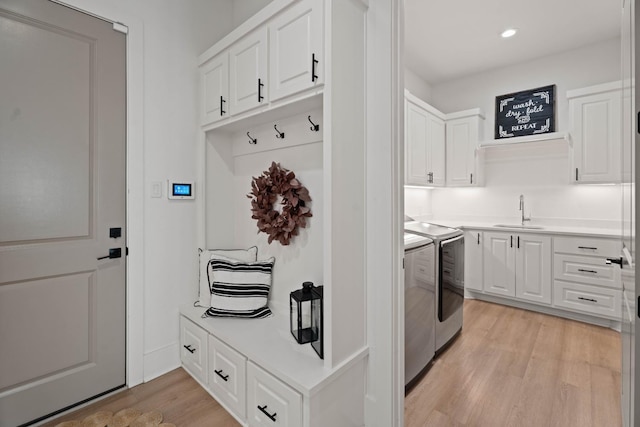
(317, 321)
(304, 305)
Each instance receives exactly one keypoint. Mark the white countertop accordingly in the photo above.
(546, 228)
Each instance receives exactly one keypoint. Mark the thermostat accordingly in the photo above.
(181, 190)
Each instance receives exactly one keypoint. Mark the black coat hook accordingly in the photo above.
(280, 134)
(315, 127)
(252, 140)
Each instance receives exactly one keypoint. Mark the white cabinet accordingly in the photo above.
(473, 256)
(595, 123)
(271, 402)
(518, 265)
(248, 72)
(193, 350)
(214, 80)
(583, 281)
(296, 58)
(227, 376)
(463, 134)
(424, 143)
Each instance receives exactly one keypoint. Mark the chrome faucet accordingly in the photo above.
(523, 218)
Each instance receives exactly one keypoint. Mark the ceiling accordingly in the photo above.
(446, 39)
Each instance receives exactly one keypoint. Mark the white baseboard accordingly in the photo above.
(160, 361)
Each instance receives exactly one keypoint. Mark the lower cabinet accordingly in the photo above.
(518, 265)
(473, 258)
(261, 376)
(271, 402)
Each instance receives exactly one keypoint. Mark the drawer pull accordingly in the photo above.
(219, 373)
(588, 247)
(263, 409)
(587, 299)
(189, 349)
(582, 270)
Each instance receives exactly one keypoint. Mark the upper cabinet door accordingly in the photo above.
(436, 150)
(214, 80)
(416, 119)
(595, 131)
(463, 135)
(296, 49)
(248, 72)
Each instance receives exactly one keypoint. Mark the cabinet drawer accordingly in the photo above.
(227, 376)
(588, 270)
(270, 402)
(193, 349)
(587, 299)
(591, 246)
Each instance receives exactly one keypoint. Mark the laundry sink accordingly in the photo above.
(520, 226)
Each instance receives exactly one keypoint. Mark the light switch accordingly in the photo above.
(156, 189)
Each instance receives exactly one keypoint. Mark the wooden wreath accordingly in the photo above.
(265, 189)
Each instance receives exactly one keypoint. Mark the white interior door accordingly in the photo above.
(62, 187)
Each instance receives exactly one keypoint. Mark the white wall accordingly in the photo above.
(418, 202)
(540, 171)
(171, 35)
(244, 9)
(417, 86)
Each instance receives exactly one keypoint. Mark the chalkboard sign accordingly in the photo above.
(528, 112)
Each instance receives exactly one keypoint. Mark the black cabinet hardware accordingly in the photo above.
(314, 61)
(511, 244)
(279, 134)
(471, 179)
(113, 253)
(587, 299)
(219, 373)
(614, 261)
(260, 85)
(263, 409)
(430, 177)
(189, 349)
(222, 101)
(252, 141)
(115, 232)
(582, 270)
(576, 174)
(588, 247)
(518, 242)
(478, 238)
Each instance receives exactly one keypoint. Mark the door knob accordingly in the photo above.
(113, 253)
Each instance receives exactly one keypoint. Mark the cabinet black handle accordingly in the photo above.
(518, 242)
(219, 373)
(588, 247)
(478, 238)
(260, 85)
(222, 101)
(430, 177)
(588, 299)
(587, 271)
(314, 61)
(511, 244)
(189, 349)
(263, 409)
(471, 179)
(576, 174)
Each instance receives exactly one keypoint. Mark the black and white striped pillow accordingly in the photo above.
(239, 288)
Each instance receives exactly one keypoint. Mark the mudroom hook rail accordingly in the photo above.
(279, 134)
(253, 141)
(315, 127)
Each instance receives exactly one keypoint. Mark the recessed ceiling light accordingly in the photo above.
(510, 32)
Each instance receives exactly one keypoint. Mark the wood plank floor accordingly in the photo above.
(508, 367)
(512, 367)
(178, 396)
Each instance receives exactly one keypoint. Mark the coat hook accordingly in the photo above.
(252, 140)
(315, 127)
(280, 134)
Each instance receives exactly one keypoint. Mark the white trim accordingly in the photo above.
(595, 89)
(135, 180)
(465, 113)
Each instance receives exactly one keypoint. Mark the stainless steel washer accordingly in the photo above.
(420, 305)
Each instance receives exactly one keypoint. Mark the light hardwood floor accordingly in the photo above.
(180, 399)
(508, 367)
(512, 367)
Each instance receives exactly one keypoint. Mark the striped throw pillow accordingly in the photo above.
(239, 288)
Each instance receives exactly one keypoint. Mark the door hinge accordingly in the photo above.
(121, 28)
(126, 251)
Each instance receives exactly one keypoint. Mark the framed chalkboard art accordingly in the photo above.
(528, 112)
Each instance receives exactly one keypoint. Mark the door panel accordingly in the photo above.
(499, 264)
(62, 185)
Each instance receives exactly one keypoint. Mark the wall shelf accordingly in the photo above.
(526, 139)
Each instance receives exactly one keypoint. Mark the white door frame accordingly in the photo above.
(135, 178)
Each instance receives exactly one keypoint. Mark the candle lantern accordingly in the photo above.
(304, 305)
(317, 321)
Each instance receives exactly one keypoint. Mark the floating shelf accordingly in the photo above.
(526, 139)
